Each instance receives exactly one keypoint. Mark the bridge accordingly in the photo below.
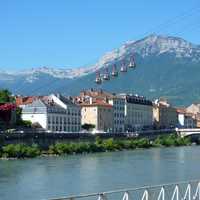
(189, 190)
(188, 131)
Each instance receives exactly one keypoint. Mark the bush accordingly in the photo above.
(143, 143)
(62, 148)
(20, 151)
(32, 151)
(98, 140)
(109, 145)
(171, 140)
(81, 148)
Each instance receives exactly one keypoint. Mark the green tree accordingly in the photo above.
(5, 96)
(88, 126)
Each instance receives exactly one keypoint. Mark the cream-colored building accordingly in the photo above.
(99, 114)
(138, 112)
(193, 108)
(185, 119)
(117, 103)
(165, 116)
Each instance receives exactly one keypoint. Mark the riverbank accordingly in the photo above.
(99, 145)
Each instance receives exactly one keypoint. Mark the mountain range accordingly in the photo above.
(166, 67)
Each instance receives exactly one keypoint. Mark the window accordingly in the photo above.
(53, 120)
(49, 119)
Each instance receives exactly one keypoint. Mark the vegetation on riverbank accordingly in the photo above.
(19, 151)
(99, 145)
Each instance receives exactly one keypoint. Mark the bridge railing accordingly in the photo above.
(174, 191)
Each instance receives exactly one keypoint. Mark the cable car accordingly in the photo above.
(123, 67)
(106, 75)
(114, 71)
(132, 63)
(98, 78)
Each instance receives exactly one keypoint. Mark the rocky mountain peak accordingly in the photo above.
(153, 45)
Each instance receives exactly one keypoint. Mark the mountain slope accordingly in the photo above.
(166, 66)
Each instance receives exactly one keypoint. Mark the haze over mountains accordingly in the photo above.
(166, 66)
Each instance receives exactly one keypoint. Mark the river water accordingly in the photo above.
(49, 177)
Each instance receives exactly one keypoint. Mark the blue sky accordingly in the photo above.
(76, 33)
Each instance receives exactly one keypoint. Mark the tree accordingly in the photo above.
(18, 116)
(5, 96)
(88, 126)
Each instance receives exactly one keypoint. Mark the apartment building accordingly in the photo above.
(115, 101)
(165, 116)
(53, 113)
(99, 114)
(138, 112)
(185, 119)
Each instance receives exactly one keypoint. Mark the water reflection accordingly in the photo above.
(57, 176)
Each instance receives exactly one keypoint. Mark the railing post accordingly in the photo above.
(145, 195)
(188, 192)
(126, 196)
(175, 193)
(162, 194)
(197, 192)
(102, 197)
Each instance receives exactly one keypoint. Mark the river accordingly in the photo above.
(49, 177)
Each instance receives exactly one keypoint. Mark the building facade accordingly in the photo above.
(54, 113)
(138, 112)
(165, 116)
(99, 114)
(117, 103)
(193, 108)
(186, 119)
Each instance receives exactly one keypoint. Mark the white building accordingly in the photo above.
(54, 113)
(138, 112)
(186, 120)
(118, 104)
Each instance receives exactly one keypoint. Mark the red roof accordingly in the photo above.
(26, 100)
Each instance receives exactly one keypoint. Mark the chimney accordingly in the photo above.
(90, 100)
